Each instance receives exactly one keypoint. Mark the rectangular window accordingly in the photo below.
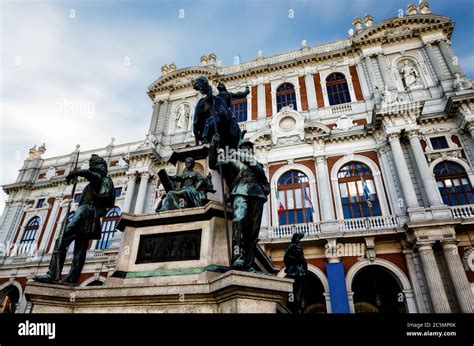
(239, 109)
(118, 192)
(439, 143)
(40, 203)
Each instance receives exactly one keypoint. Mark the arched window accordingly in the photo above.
(294, 200)
(358, 194)
(108, 228)
(9, 298)
(239, 108)
(453, 183)
(29, 236)
(285, 96)
(338, 91)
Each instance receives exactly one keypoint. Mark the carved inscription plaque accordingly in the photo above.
(167, 247)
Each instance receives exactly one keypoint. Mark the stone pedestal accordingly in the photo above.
(175, 261)
(230, 292)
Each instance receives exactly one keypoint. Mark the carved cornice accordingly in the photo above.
(399, 29)
(179, 79)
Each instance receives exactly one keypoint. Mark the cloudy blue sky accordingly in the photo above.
(101, 55)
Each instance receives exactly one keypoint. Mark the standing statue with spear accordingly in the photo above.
(96, 198)
(214, 123)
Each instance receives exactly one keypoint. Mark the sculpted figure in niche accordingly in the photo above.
(182, 116)
(410, 75)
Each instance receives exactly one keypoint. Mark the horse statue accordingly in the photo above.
(213, 116)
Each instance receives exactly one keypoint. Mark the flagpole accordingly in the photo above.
(57, 272)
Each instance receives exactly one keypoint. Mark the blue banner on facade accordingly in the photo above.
(337, 288)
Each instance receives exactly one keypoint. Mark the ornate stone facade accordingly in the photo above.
(404, 109)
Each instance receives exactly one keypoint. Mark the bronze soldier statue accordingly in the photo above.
(96, 198)
(249, 189)
(192, 192)
(212, 115)
(296, 268)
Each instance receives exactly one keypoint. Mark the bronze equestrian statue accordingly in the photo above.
(213, 115)
(228, 97)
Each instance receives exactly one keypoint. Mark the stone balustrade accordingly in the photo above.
(463, 211)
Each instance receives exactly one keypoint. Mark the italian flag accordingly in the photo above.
(281, 208)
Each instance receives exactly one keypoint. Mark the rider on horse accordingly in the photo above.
(212, 115)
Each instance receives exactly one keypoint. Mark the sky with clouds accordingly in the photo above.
(77, 71)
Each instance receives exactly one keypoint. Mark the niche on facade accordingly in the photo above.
(51, 173)
(287, 127)
(182, 117)
(409, 74)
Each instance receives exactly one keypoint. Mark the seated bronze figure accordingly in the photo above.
(191, 192)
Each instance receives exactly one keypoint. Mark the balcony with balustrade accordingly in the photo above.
(464, 213)
(355, 227)
(18, 257)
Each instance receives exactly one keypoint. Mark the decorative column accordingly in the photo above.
(364, 83)
(299, 106)
(426, 176)
(439, 299)
(324, 190)
(327, 298)
(384, 69)
(418, 296)
(386, 172)
(127, 203)
(162, 117)
(431, 55)
(448, 58)
(310, 91)
(350, 86)
(142, 192)
(402, 170)
(154, 118)
(52, 220)
(325, 93)
(370, 70)
(261, 106)
(274, 102)
(458, 277)
(411, 303)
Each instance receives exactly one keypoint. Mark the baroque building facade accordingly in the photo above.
(368, 144)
